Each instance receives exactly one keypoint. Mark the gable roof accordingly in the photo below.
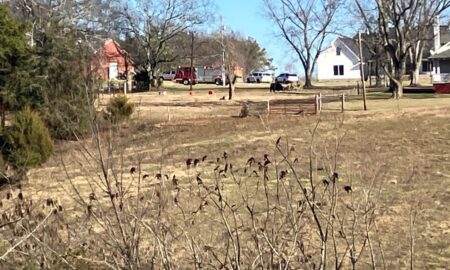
(112, 49)
(442, 55)
(352, 45)
(445, 34)
(429, 40)
(444, 51)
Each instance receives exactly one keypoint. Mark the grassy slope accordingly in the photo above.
(408, 140)
(411, 146)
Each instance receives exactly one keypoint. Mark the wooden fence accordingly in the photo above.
(323, 99)
(304, 106)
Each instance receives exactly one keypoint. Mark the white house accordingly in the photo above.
(440, 56)
(340, 61)
(435, 47)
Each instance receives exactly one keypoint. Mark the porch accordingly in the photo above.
(441, 67)
(441, 73)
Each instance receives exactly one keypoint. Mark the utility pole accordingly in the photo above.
(222, 28)
(192, 61)
(361, 64)
(125, 89)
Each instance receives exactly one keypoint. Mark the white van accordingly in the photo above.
(260, 77)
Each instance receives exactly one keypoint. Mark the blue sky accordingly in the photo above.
(248, 18)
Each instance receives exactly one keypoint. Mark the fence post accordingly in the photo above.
(343, 103)
(357, 87)
(168, 114)
(316, 104)
(268, 107)
(320, 102)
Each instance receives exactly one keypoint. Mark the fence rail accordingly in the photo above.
(304, 106)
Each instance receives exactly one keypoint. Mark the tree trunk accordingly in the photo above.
(231, 86)
(417, 55)
(3, 115)
(396, 73)
(308, 80)
(397, 85)
(150, 76)
(323, 255)
(415, 75)
(378, 80)
(152, 81)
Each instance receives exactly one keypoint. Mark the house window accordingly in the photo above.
(338, 51)
(338, 70)
(427, 66)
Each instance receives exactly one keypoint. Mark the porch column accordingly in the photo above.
(437, 71)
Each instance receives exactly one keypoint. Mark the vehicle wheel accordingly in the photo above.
(218, 82)
(161, 78)
(258, 81)
(248, 80)
(186, 82)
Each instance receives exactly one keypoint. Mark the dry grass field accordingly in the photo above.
(395, 157)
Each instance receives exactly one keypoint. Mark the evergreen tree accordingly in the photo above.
(17, 85)
(64, 64)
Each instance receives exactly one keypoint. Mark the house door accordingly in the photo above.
(113, 70)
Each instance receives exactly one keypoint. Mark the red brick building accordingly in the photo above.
(114, 62)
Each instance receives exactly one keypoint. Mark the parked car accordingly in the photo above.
(286, 78)
(168, 75)
(259, 77)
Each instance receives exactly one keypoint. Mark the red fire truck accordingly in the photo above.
(204, 74)
(184, 75)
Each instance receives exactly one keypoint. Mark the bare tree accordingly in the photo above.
(155, 23)
(422, 41)
(365, 11)
(399, 23)
(234, 58)
(305, 25)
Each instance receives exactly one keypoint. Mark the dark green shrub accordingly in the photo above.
(65, 119)
(120, 108)
(27, 142)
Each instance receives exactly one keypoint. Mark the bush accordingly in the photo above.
(120, 108)
(244, 111)
(27, 142)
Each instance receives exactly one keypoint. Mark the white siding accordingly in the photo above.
(328, 59)
(113, 70)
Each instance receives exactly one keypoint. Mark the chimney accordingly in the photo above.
(436, 33)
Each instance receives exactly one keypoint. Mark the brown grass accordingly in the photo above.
(409, 140)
